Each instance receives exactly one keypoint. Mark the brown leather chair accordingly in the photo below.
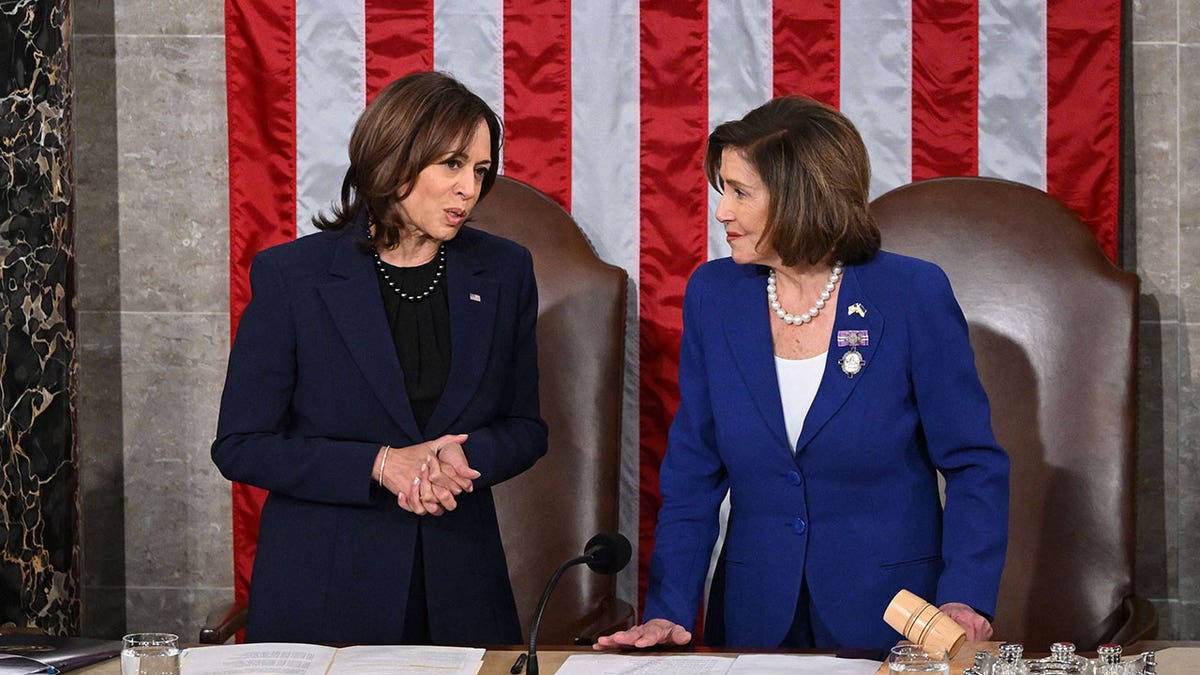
(548, 513)
(1053, 324)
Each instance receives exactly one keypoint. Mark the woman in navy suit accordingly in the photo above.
(824, 383)
(383, 378)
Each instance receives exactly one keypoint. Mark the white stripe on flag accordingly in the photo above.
(468, 39)
(1012, 90)
(876, 85)
(740, 77)
(605, 128)
(605, 146)
(330, 94)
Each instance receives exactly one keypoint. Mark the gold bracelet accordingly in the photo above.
(383, 463)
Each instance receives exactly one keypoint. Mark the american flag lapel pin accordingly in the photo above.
(474, 297)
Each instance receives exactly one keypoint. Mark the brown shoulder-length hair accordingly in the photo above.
(815, 167)
(412, 123)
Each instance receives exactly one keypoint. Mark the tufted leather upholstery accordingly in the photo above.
(1053, 324)
(548, 513)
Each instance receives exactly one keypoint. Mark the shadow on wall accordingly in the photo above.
(98, 303)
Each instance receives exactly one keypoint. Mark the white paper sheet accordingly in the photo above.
(792, 664)
(623, 664)
(277, 658)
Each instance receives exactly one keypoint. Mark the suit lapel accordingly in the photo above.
(748, 332)
(473, 298)
(357, 309)
(836, 386)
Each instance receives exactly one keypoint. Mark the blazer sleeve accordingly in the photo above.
(253, 445)
(956, 420)
(517, 439)
(692, 481)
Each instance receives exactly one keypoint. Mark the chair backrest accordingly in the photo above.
(548, 513)
(1053, 324)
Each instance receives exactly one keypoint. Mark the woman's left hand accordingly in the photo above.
(978, 628)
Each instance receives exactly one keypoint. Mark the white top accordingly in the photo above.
(798, 383)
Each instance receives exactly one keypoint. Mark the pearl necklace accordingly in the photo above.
(773, 298)
(415, 297)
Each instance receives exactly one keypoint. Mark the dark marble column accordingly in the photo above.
(39, 567)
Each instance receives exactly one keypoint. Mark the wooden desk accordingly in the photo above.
(1174, 658)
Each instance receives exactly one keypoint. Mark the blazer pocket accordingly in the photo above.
(923, 560)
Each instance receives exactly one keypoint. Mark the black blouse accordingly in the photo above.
(421, 331)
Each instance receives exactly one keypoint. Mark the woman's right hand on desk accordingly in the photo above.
(653, 632)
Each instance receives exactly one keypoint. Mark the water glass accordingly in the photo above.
(917, 659)
(150, 654)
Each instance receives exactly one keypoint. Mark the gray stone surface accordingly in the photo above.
(1155, 20)
(1156, 184)
(169, 17)
(1189, 464)
(104, 612)
(1189, 184)
(1157, 480)
(101, 446)
(173, 610)
(1189, 21)
(91, 17)
(173, 174)
(177, 522)
(97, 221)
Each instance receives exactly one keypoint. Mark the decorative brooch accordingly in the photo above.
(852, 362)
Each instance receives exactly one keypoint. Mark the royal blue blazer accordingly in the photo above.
(855, 512)
(315, 388)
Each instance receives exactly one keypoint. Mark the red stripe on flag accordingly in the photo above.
(945, 88)
(260, 65)
(399, 40)
(674, 210)
(807, 49)
(1083, 79)
(537, 95)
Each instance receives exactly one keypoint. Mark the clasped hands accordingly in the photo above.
(663, 632)
(426, 477)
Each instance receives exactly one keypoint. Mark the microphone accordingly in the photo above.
(605, 553)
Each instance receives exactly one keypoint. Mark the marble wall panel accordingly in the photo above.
(39, 565)
(97, 218)
(1155, 20)
(101, 448)
(1156, 183)
(92, 17)
(174, 610)
(1157, 480)
(1189, 184)
(1189, 464)
(173, 174)
(169, 17)
(177, 512)
(1189, 22)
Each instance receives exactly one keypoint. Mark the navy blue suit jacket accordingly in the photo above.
(315, 388)
(856, 510)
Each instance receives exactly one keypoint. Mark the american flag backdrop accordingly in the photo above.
(607, 104)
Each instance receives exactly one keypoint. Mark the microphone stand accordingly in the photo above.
(531, 664)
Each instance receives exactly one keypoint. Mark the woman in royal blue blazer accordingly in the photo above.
(383, 378)
(826, 426)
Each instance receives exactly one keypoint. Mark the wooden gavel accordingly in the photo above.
(922, 623)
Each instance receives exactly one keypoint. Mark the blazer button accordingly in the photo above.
(799, 525)
(795, 478)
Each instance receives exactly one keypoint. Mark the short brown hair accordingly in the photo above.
(815, 167)
(411, 123)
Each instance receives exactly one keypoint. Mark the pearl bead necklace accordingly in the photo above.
(414, 297)
(791, 320)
